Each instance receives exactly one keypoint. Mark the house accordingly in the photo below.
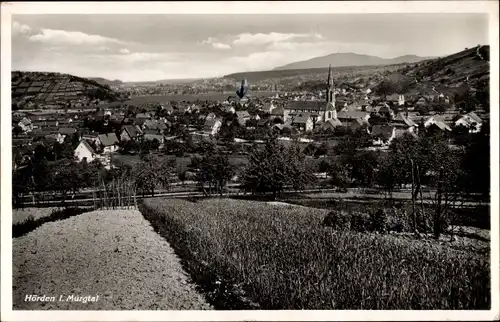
(182, 110)
(434, 120)
(167, 109)
(243, 117)
(229, 109)
(63, 133)
(303, 122)
(91, 137)
(385, 110)
(84, 151)
(143, 117)
(99, 115)
(211, 116)
(358, 123)
(154, 125)
(130, 132)
(25, 124)
(383, 134)
(212, 126)
(402, 120)
(278, 112)
(319, 111)
(403, 124)
(67, 131)
(109, 142)
(421, 102)
(330, 125)
(268, 107)
(348, 117)
(470, 121)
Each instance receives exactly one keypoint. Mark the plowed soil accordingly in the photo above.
(113, 254)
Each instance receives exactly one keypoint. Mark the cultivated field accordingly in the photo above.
(216, 96)
(113, 254)
(284, 258)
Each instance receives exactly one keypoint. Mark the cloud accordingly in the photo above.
(18, 28)
(269, 38)
(63, 37)
(124, 51)
(214, 42)
(219, 45)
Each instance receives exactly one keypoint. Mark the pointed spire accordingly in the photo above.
(329, 75)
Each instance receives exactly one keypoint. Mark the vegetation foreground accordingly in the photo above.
(284, 258)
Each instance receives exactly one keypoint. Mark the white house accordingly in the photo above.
(25, 124)
(433, 120)
(470, 121)
(85, 151)
(303, 122)
(212, 126)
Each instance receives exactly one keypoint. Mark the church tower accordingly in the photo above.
(331, 112)
(330, 96)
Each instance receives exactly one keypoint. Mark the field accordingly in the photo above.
(113, 254)
(217, 96)
(279, 257)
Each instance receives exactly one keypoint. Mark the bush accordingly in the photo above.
(378, 221)
(338, 220)
(360, 221)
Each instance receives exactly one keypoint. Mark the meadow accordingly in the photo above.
(215, 96)
(279, 257)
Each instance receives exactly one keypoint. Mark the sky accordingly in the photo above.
(136, 47)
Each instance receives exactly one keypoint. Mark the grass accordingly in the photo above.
(283, 258)
(31, 223)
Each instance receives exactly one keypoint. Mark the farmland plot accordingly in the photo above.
(114, 255)
(283, 258)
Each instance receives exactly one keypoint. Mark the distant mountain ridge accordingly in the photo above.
(350, 59)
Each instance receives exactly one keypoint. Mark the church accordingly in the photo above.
(320, 111)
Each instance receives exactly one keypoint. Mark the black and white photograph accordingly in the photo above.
(186, 160)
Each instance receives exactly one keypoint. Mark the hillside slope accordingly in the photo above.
(468, 69)
(349, 59)
(43, 88)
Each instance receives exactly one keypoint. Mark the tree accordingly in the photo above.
(153, 171)
(17, 130)
(440, 107)
(385, 88)
(273, 167)
(214, 171)
(66, 177)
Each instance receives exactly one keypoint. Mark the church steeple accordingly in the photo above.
(329, 89)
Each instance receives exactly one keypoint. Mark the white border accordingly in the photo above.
(490, 7)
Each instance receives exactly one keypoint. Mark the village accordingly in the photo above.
(313, 118)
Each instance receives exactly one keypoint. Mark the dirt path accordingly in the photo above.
(113, 254)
